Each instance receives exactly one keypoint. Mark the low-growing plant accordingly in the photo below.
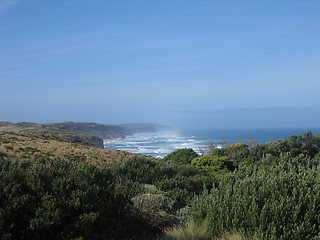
(141, 169)
(31, 150)
(190, 230)
(2, 155)
(4, 140)
(59, 199)
(8, 147)
(236, 235)
(282, 203)
(75, 158)
(215, 164)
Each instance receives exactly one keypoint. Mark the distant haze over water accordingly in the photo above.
(162, 143)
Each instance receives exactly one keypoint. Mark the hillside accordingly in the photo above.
(91, 133)
(52, 132)
(32, 144)
(104, 131)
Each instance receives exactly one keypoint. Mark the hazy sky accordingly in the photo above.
(192, 64)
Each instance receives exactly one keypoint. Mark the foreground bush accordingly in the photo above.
(180, 181)
(141, 169)
(192, 230)
(58, 199)
(281, 204)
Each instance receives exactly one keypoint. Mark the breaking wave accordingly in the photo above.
(157, 144)
(161, 144)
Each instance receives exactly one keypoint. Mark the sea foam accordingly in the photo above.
(157, 144)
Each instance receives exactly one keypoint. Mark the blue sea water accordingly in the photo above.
(160, 144)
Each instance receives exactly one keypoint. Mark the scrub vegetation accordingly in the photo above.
(52, 188)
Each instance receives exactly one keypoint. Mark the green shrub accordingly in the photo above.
(58, 199)
(31, 150)
(4, 140)
(9, 147)
(183, 188)
(281, 204)
(75, 158)
(141, 169)
(308, 144)
(215, 164)
(236, 235)
(2, 155)
(186, 181)
(181, 156)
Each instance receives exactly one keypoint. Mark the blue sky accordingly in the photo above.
(189, 64)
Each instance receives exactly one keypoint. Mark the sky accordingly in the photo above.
(189, 64)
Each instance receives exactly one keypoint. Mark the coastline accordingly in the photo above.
(160, 144)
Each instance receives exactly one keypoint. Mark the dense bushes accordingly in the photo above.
(215, 164)
(184, 155)
(271, 191)
(140, 169)
(308, 144)
(281, 204)
(181, 181)
(60, 199)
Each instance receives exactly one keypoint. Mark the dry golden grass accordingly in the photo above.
(23, 145)
(236, 235)
(191, 230)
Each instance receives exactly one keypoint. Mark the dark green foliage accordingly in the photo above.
(178, 180)
(4, 140)
(215, 164)
(272, 190)
(308, 144)
(181, 156)
(59, 199)
(75, 158)
(281, 204)
(186, 181)
(183, 188)
(30, 150)
(2, 155)
(9, 147)
(140, 169)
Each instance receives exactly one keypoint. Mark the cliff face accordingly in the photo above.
(94, 140)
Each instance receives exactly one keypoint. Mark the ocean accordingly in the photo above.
(160, 144)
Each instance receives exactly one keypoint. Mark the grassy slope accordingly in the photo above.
(32, 145)
(93, 133)
(51, 132)
(105, 131)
